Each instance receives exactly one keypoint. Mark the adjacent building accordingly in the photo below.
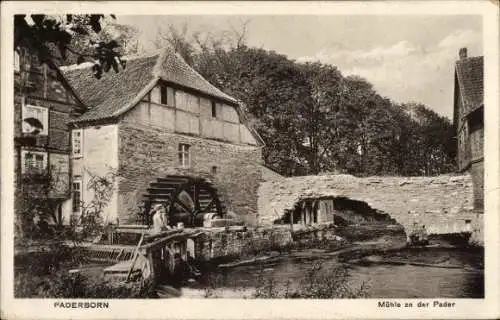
(44, 103)
(469, 121)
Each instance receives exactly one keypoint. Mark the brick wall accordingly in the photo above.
(147, 153)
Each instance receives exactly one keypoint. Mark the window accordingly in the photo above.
(164, 96)
(77, 142)
(184, 160)
(214, 169)
(214, 109)
(171, 97)
(35, 120)
(76, 195)
(180, 99)
(155, 95)
(34, 162)
(17, 65)
(306, 142)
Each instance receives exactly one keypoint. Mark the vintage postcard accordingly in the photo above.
(250, 160)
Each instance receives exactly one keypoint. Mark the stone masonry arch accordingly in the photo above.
(443, 203)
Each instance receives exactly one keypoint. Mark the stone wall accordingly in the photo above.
(268, 174)
(221, 243)
(146, 153)
(442, 203)
(477, 173)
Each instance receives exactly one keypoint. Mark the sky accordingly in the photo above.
(408, 58)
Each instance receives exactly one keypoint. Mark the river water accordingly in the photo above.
(423, 273)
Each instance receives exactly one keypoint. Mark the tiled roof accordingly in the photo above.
(115, 93)
(172, 68)
(469, 72)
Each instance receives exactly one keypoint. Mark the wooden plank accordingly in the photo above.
(133, 226)
(209, 206)
(136, 254)
(135, 231)
(165, 239)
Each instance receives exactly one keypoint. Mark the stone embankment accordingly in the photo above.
(216, 243)
(444, 204)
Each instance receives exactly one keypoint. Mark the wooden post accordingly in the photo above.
(151, 263)
(303, 213)
(316, 208)
(136, 254)
(307, 213)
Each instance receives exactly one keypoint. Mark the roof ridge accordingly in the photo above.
(88, 64)
(76, 66)
(162, 56)
(149, 54)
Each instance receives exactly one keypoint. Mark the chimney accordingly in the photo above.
(462, 53)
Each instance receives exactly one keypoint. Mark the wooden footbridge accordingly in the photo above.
(154, 256)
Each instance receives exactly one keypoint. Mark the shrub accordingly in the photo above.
(61, 284)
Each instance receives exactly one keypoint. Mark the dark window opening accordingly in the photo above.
(34, 162)
(476, 120)
(214, 169)
(214, 110)
(77, 195)
(163, 97)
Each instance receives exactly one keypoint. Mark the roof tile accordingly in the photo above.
(109, 96)
(470, 81)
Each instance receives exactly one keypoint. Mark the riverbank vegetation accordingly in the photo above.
(319, 282)
(45, 255)
(48, 274)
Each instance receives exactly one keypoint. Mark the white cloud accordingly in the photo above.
(377, 54)
(400, 49)
(459, 38)
(407, 72)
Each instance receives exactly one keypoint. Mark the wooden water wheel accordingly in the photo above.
(187, 199)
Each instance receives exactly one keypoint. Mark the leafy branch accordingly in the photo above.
(50, 39)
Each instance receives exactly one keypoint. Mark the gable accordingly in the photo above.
(45, 81)
(172, 68)
(175, 110)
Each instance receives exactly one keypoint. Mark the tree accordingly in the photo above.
(126, 37)
(436, 144)
(50, 38)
